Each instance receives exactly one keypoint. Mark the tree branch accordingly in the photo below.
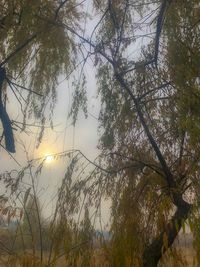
(161, 16)
(59, 8)
(166, 170)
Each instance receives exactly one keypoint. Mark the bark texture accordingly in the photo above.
(154, 252)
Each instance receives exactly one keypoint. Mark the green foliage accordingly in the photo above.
(148, 123)
(127, 238)
(86, 235)
(143, 98)
(47, 52)
(79, 98)
(183, 62)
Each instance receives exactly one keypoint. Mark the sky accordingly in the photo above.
(84, 136)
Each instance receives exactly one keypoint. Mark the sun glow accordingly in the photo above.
(49, 158)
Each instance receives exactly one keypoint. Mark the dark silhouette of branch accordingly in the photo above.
(23, 87)
(11, 155)
(154, 89)
(60, 7)
(166, 170)
(160, 20)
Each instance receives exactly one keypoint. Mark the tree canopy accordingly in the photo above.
(146, 55)
(34, 52)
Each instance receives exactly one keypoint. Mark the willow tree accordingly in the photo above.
(33, 53)
(149, 118)
(149, 124)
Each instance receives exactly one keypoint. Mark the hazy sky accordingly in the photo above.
(63, 137)
(84, 136)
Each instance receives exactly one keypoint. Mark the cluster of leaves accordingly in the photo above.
(165, 90)
(35, 49)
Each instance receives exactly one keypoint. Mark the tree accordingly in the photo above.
(149, 120)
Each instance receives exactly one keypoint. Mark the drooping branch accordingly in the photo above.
(113, 14)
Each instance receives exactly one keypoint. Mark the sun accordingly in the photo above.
(49, 158)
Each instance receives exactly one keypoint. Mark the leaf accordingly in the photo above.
(183, 226)
(20, 214)
(176, 225)
(165, 241)
(26, 195)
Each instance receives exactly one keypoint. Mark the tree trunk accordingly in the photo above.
(153, 253)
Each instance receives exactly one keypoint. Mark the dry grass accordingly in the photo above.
(187, 259)
(182, 257)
